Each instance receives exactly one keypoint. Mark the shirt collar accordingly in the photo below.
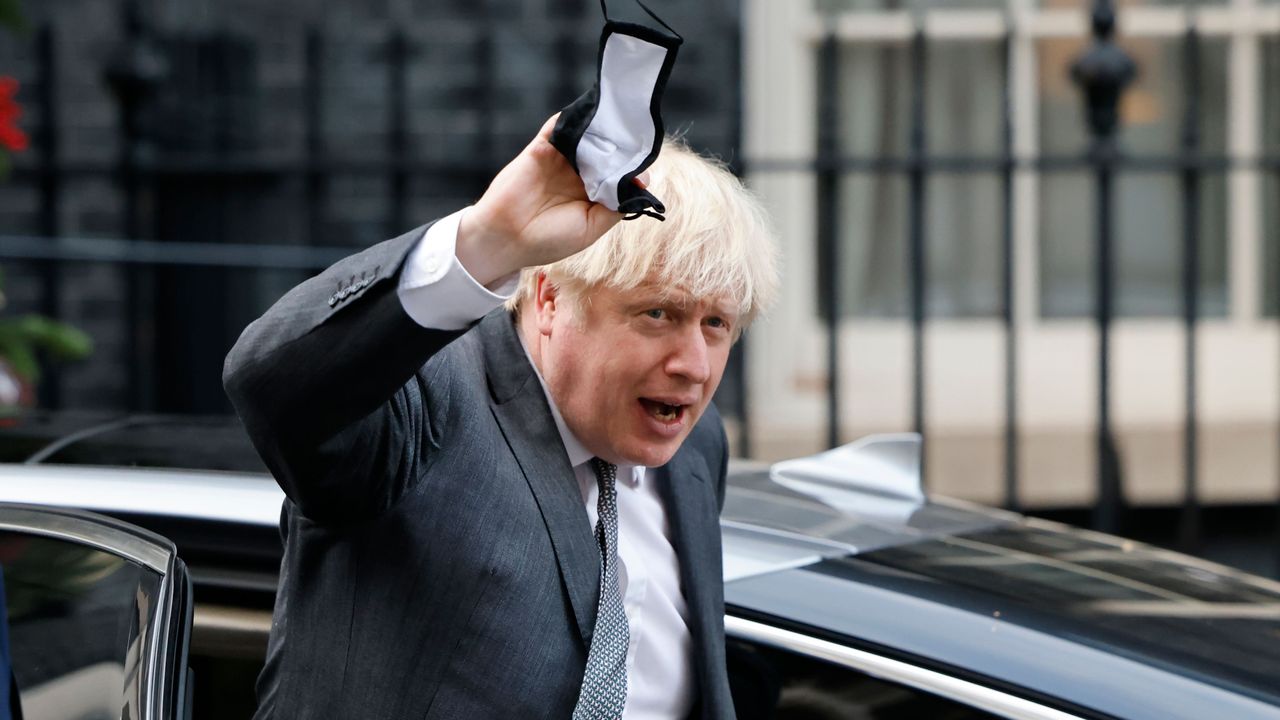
(577, 452)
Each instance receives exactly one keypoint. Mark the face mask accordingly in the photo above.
(614, 131)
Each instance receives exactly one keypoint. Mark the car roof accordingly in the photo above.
(1122, 628)
(770, 526)
(1125, 629)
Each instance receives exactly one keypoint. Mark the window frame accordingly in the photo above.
(1243, 24)
(163, 671)
(926, 680)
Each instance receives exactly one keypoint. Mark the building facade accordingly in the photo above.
(978, 58)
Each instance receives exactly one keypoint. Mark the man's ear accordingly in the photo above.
(546, 302)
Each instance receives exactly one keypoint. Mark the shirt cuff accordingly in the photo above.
(436, 291)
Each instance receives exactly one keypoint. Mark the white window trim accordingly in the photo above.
(1242, 22)
(1056, 356)
(896, 671)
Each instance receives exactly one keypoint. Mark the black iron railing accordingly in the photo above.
(1102, 71)
(140, 169)
(160, 158)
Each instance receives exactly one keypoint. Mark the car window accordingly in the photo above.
(88, 438)
(1208, 623)
(75, 620)
(773, 684)
(193, 444)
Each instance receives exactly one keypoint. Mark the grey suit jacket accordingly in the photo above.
(438, 561)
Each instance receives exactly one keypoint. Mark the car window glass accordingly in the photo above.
(773, 684)
(75, 617)
(89, 438)
(1207, 622)
(193, 444)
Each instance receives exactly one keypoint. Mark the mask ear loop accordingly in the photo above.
(605, 10)
(649, 213)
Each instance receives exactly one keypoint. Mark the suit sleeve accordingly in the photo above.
(327, 385)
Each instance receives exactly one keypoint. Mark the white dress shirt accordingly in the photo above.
(437, 292)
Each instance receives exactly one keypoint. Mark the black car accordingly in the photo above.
(849, 592)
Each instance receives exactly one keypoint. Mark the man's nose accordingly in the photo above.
(689, 358)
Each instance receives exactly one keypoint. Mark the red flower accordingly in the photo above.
(11, 136)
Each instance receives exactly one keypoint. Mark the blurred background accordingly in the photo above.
(1054, 252)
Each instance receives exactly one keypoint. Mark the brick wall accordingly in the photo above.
(481, 78)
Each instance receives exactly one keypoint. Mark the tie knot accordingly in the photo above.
(606, 472)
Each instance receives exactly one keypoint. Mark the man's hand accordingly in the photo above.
(535, 212)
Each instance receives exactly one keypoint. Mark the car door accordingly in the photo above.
(95, 616)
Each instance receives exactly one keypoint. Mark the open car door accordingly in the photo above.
(95, 616)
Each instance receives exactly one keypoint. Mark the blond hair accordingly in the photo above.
(716, 242)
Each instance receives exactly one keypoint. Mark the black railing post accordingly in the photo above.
(738, 357)
(1011, 500)
(828, 185)
(564, 52)
(1103, 72)
(916, 219)
(50, 196)
(314, 129)
(397, 133)
(134, 74)
(487, 74)
(1189, 523)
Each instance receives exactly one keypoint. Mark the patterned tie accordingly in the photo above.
(604, 685)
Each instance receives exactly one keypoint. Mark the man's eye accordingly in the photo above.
(717, 322)
(656, 313)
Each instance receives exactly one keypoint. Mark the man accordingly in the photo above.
(440, 559)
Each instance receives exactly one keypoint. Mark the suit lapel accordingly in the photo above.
(521, 410)
(687, 493)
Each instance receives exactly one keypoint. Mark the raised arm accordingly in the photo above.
(326, 381)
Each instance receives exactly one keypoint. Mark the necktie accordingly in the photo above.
(604, 685)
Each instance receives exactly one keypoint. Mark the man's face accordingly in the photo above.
(631, 372)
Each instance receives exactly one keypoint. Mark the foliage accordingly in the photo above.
(22, 337)
(12, 138)
(11, 16)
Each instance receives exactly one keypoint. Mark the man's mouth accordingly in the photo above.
(663, 411)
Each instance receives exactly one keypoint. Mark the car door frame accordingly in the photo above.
(164, 680)
(962, 691)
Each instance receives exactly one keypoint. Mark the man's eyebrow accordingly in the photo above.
(727, 316)
(647, 299)
(721, 306)
(654, 294)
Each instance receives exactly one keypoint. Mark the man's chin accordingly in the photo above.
(649, 455)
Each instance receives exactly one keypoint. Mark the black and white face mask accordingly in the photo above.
(614, 131)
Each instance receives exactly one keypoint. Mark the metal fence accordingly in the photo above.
(170, 161)
(1102, 72)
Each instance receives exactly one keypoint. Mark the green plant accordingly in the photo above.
(21, 338)
(11, 16)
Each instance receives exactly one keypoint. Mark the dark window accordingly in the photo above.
(1193, 618)
(76, 617)
(768, 683)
